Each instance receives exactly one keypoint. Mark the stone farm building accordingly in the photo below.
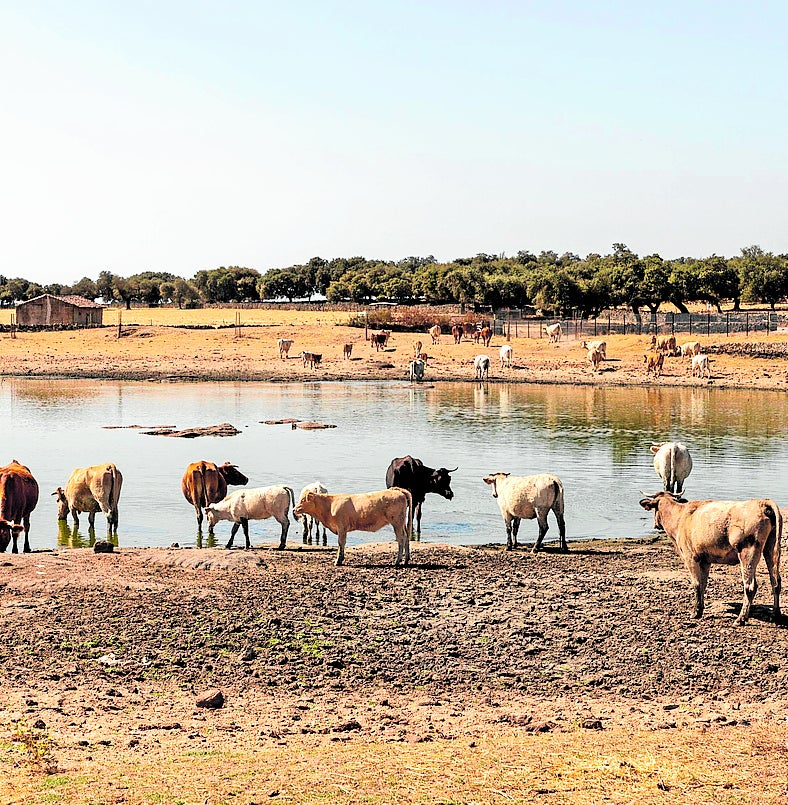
(48, 310)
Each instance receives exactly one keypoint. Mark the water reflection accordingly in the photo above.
(70, 536)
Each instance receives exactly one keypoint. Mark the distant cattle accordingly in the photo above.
(347, 350)
(506, 355)
(528, 497)
(416, 370)
(470, 330)
(456, 332)
(665, 344)
(311, 359)
(435, 333)
(723, 532)
(690, 348)
(91, 489)
(18, 497)
(369, 511)
(417, 347)
(553, 332)
(253, 504)
(654, 362)
(423, 356)
(481, 366)
(284, 345)
(204, 482)
(379, 340)
(476, 336)
(701, 366)
(307, 521)
(595, 359)
(486, 335)
(599, 346)
(411, 474)
(673, 464)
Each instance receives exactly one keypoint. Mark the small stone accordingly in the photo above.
(39, 724)
(103, 546)
(591, 724)
(212, 699)
(248, 654)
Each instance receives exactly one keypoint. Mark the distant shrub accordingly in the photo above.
(409, 319)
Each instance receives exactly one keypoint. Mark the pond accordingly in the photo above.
(595, 439)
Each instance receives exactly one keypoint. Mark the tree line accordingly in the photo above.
(561, 284)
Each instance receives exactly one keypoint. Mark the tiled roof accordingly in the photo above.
(77, 301)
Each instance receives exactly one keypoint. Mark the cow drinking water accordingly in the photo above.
(91, 489)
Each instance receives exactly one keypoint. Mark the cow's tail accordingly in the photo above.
(772, 511)
(410, 512)
(672, 469)
(111, 501)
(201, 494)
(292, 502)
(558, 490)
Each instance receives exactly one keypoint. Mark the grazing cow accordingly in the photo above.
(690, 348)
(486, 335)
(307, 521)
(700, 365)
(525, 498)
(365, 512)
(284, 345)
(723, 532)
(347, 350)
(654, 362)
(311, 359)
(417, 347)
(665, 344)
(477, 334)
(553, 332)
(379, 340)
(253, 504)
(18, 497)
(595, 359)
(411, 474)
(416, 370)
(204, 482)
(470, 330)
(599, 346)
(91, 489)
(481, 365)
(456, 332)
(673, 464)
(435, 333)
(506, 355)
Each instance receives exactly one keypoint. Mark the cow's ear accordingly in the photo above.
(655, 448)
(648, 504)
(490, 479)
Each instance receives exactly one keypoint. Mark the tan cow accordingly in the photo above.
(595, 359)
(654, 362)
(700, 366)
(690, 348)
(284, 345)
(417, 347)
(91, 489)
(347, 350)
(664, 343)
(599, 346)
(553, 332)
(370, 511)
(723, 532)
(435, 333)
(456, 333)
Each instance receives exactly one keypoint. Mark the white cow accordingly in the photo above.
(528, 497)
(673, 463)
(284, 345)
(506, 355)
(599, 346)
(700, 366)
(690, 348)
(416, 370)
(481, 365)
(307, 521)
(253, 504)
(553, 332)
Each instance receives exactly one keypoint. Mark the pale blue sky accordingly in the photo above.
(185, 135)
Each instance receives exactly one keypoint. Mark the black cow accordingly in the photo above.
(409, 473)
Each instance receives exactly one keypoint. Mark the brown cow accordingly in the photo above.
(435, 333)
(204, 483)
(456, 332)
(18, 497)
(311, 359)
(723, 532)
(347, 349)
(486, 335)
(364, 512)
(379, 340)
(417, 346)
(654, 362)
(91, 490)
(284, 345)
(664, 343)
(470, 329)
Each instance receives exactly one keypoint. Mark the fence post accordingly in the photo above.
(690, 323)
(595, 318)
(708, 324)
(608, 323)
(727, 323)
(673, 324)
(747, 322)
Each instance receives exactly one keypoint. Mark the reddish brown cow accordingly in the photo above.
(486, 335)
(18, 497)
(469, 329)
(456, 332)
(654, 362)
(204, 483)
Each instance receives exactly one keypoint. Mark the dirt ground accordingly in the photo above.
(152, 349)
(476, 675)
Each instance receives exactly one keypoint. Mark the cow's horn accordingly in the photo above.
(455, 469)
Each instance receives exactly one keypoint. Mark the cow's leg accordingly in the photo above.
(233, 532)
(198, 509)
(748, 559)
(515, 530)
(403, 545)
(285, 528)
(417, 517)
(561, 530)
(699, 572)
(541, 518)
(774, 573)
(14, 537)
(305, 530)
(317, 533)
(92, 521)
(245, 526)
(507, 520)
(115, 519)
(342, 539)
(75, 517)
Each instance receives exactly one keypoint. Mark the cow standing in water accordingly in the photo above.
(411, 474)
(91, 489)
(18, 497)
(204, 483)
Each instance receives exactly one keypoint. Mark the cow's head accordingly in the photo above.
(651, 503)
(492, 480)
(231, 474)
(304, 504)
(62, 503)
(440, 482)
(210, 515)
(8, 529)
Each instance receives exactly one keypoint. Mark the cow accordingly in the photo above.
(481, 365)
(595, 359)
(673, 464)
(258, 503)
(411, 474)
(416, 370)
(456, 332)
(477, 334)
(18, 497)
(654, 362)
(91, 489)
(506, 355)
(664, 343)
(364, 512)
(525, 498)
(417, 347)
(284, 345)
(700, 365)
(486, 335)
(307, 521)
(347, 350)
(311, 359)
(470, 330)
(723, 532)
(379, 340)
(689, 349)
(423, 356)
(553, 332)
(599, 346)
(435, 333)
(204, 482)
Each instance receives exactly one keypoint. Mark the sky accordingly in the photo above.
(159, 135)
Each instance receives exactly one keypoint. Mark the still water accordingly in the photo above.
(595, 439)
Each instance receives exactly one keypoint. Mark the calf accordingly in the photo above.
(481, 365)
(347, 349)
(700, 366)
(416, 370)
(417, 346)
(599, 346)
(595, 359)
(553, 332)
(654, 362)
(723, 532)
(435, 333)
(506, 355)
(91, 489)
(284, 345)
(456, 332)
(486, 335)
(673, 464)
(365, 512)
(253, 504)
(18, 497)
(528, 497)
(311, 359)
(307, 521)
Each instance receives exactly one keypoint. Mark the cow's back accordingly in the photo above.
(18, 492)
(104, 482)
(404, 472)
(202, 483)
(521, 495)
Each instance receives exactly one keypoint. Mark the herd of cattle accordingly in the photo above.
(703, 532)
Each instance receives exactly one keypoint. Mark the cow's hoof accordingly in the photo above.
(508, 547)
(280, 547)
